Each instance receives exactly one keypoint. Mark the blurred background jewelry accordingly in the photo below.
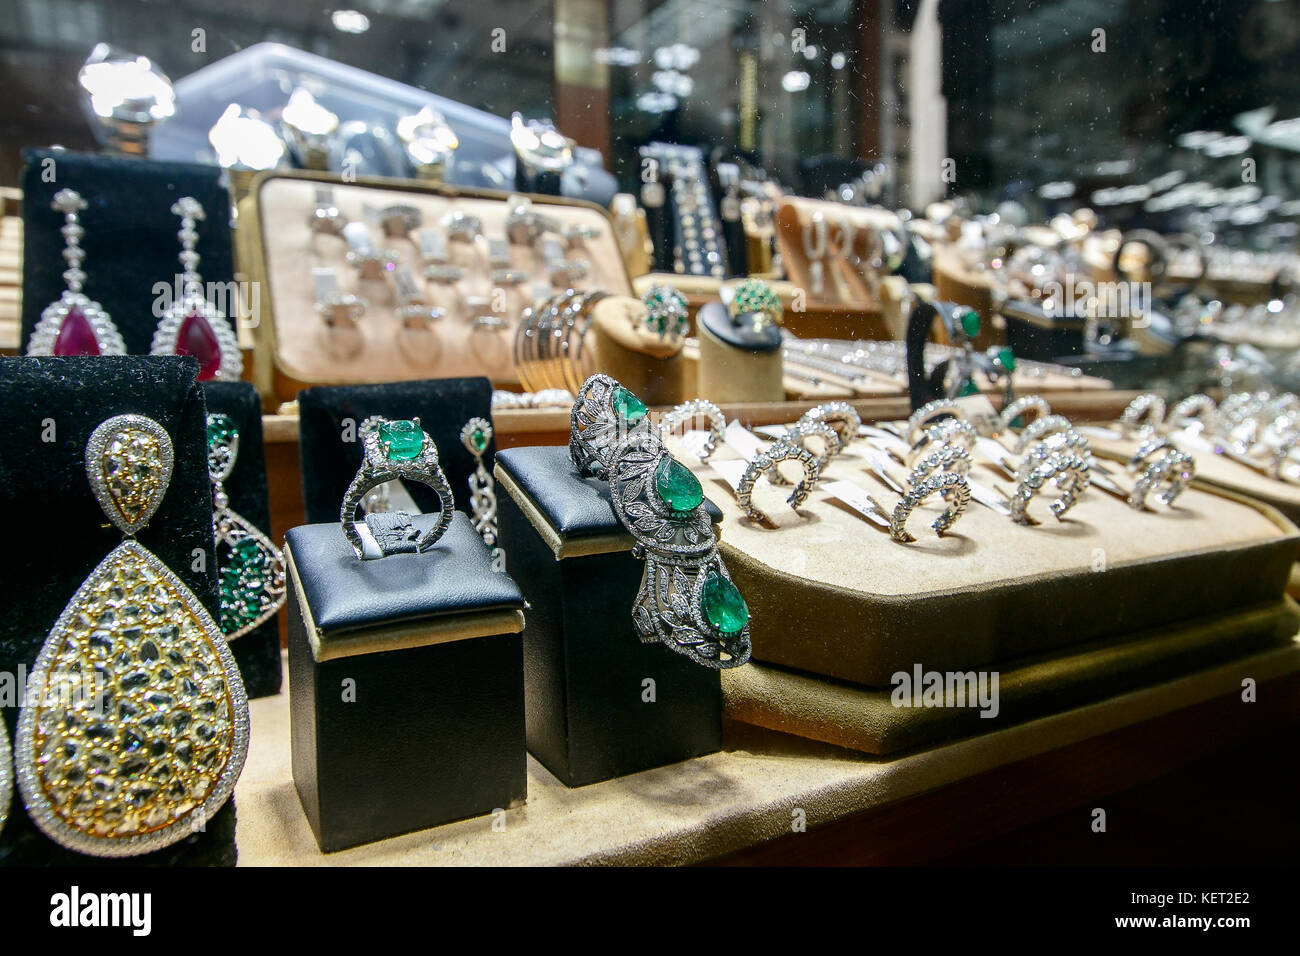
(6, 775)
(814, 236)
(370, 261)
(1144, 413)
(133, 638)
(394, 450)
(1175, 470)
(841, 416)
(193, 325)
(929, 411)
(666, 313)
(758, 299)
(1019, 408)
(337, 308)
(688, 413)
(476, 435)
(74, 325)
(250, 569)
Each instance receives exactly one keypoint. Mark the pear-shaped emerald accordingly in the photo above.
(970, 322)
(479, 439)
(722, 605)
(1008, 359)
(627, 406)
(677, 486)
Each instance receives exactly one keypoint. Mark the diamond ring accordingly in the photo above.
(767, 461)
(1066, 469)
(1175, 469)
(1018, 408)
(1145, 412)
(841, 416)
(693, 410)
(954, 489)
(394, 450)
(929, 411)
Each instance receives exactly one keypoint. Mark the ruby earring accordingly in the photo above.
(73, 324)
(193, 325)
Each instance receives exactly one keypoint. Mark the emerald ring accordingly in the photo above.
(395, 450)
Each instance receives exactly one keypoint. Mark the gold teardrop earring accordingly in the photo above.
(134, 727)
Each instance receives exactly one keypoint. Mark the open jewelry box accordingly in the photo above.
(363, 281)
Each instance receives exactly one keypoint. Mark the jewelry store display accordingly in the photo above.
(950, 485)
(193, 325)
(155, 766)
(799, 433)
(943, 459)
(475, 436)
(392, 450)
(841, 416)
(336, 308)
(686, 600)
(74, 325)
(928, 412)
(1040, 428)
(690, 412)
(250, 568)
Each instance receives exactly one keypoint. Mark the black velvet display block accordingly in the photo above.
(406, 691)
(63, 534)
(329, 417)
(1033, 334)
(585, 668)
(739, 334)
(130, 235)
(258, 652)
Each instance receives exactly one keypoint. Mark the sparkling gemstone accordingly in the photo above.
(1008, 359)
(677, 485)
(76, 335)
(970, 322)
(221, 430)
(404, 440)
(479, 439)
(627, 406)
(196, 338)
(722, 604)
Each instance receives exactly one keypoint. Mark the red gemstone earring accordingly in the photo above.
(73, 324)
(193, 325)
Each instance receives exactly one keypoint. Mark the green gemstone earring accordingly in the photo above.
(250, 567)
(475, 436)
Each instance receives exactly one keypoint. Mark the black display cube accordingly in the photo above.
(405, 684)
(600, 703)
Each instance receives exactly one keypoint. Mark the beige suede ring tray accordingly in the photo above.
(832, 594)
(295, 347)
(1212, 470)
(871, 719)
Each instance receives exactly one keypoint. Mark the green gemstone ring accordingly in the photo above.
(394, 450)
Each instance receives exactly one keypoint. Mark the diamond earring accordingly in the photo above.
(475, 436)
(73, 324)
(193, 325)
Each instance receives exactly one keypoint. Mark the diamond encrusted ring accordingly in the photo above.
(767, 461)
(1040, 428)
(954, 489)
(1066, 469)
(841, 416)
(1174, 469)
(1020, 407)
(1144, 412)
(694, 410)
(395, 450)
(928, 411)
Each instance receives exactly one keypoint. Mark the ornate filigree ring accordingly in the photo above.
(395, 450)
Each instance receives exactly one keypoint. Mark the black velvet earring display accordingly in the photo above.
(130, 236)
(258, 651)
(740, 333)
(331, 415)
(48, 408)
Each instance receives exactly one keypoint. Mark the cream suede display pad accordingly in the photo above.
(832, 594)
